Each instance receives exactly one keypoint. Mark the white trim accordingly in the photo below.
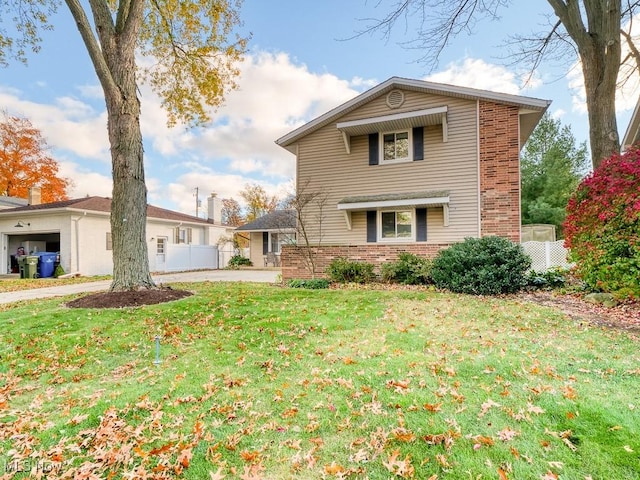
(408, 158)
(381, 239)
(374, 121)
(408, 202)
(347, 142)
(633, 129)
(479, 172)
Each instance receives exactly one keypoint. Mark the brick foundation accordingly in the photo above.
(293, 264)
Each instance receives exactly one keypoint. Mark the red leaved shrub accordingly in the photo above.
(602, 227)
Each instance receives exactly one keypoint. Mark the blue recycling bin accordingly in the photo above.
(46, 264)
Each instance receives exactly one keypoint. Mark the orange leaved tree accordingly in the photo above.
(25, 162)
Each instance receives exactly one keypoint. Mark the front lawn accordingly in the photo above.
(262, 382)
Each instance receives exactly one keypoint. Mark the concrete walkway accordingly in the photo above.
(261, 276)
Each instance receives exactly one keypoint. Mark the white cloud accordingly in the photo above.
(85, 182)
(181, 192)
(67, 124)
(476, 73)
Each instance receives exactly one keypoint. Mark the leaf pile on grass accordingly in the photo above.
(260, 382)
(16, 284)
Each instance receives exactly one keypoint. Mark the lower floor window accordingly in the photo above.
(396, 225)
(276, 240)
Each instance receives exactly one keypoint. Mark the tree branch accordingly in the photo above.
(95, 52)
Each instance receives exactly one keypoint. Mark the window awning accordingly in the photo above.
(394, 122)
(395, 200)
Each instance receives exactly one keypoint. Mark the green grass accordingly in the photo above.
(258, 381)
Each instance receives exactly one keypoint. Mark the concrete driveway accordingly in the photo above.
(261, 276)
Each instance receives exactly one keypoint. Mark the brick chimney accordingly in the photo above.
(35, 196)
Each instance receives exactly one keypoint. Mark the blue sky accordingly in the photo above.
(301, 63)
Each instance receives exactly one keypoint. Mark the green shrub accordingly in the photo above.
(603, 224)
(408, 269)
(58, 271)
(552, 278)
(315, 283)
(238, 260)
(481, 266)
(342, 270)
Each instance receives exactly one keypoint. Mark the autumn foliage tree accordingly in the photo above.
(25, 162)
(602, 228)
(258, 202)
(192, 52)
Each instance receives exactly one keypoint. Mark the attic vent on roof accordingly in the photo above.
(395, 98)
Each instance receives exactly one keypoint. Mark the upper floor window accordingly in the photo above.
(396, 146)
(396, 225)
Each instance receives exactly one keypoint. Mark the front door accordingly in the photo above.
(161, 252)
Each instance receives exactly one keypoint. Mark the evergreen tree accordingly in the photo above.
(552, 165)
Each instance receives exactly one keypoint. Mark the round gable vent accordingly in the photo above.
(395, 98)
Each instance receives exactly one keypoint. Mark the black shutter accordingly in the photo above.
(372, 230)
(265, 243)
(418, 143)
(373, 149)
(421, 224)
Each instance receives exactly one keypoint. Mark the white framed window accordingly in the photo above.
(276, 240)
(109, 241)
(161, 244)
(396, 225)
(396, 147)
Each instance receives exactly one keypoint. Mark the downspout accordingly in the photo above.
(77, 222)
(479, 169)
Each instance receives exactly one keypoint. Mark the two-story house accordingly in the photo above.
(411, 166)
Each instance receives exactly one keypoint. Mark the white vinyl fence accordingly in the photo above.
(546, 255)
(191, 257)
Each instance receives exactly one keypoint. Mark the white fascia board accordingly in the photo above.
(392, 118)
(435, 201)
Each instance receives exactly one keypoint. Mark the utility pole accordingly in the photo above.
(197, 200)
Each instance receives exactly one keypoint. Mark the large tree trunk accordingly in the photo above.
(129, 203)
(598, 43)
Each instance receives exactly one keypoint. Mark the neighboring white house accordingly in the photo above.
(80, 230)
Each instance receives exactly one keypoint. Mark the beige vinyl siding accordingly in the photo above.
(452, 166)
(255, 249)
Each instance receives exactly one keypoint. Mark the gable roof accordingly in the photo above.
(102, 204)
(632, 135)
(531, 107)
(274, 221)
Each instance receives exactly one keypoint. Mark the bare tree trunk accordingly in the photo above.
(599, 47)
(129, 204)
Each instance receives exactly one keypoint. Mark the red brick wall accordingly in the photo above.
(499, 171)
(293, 264)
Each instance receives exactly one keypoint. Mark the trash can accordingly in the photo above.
(22, 260)
(46, 264)
(30, 266)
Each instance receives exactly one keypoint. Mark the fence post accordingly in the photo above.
(547, 254)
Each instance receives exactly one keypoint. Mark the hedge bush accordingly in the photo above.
(481, 266)
(342, 270)
(408, 269)
(602, 228)
(314, 283)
